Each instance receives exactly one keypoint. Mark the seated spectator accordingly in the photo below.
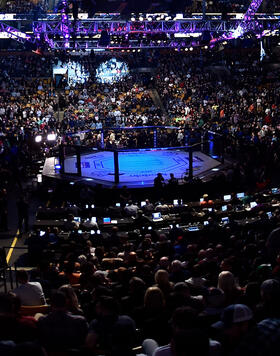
(227, 284)
(162, 282)
(181, 297)
(131, 209)
(70, 273)
(72, 302)
(114, 334)
(13, 326)
(177, 272)
(214, 305)
(71, 224)
(148, 208)
(234, 326)
(141, 220)
(183, 320)
(206, 202)
(152, 318)
(88, 224)
(270, 294)
(29, 293)
(60, 330)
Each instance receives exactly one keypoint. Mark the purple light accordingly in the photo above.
(64, 24)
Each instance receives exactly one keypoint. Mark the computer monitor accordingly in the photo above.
(274, 190)
(156, 216)
(253, 204)
(106, 220)
(227, 197)
(93, 220)
(77, 219)
(224, 208)
(118, 204)
(269, 214)
(193, 228)
(240, 195)
(225, 220)
(143, 203)
(175, 202)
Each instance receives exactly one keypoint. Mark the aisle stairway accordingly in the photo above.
(157, 101)
(60, 115)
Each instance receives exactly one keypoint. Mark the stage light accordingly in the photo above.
(186, 49)
(179, 16)
(39, 178)
(51, 137)
(38, 138)
(206, 47)
(150, 18)
(57, 166)
(133, 18)
(191, 49)
(141, 18)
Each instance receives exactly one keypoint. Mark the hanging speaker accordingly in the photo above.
(104, 40)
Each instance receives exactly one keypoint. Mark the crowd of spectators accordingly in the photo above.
(21, 6)
(194, 99)
(204, 276)
(209, 282)
(187, 6)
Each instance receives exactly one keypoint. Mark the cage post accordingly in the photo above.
(102, 138)
(62, 158)
(190, 163)
(155, 137)
(116, 167)
(79, 167)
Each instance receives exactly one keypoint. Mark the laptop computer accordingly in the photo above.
(157, 217)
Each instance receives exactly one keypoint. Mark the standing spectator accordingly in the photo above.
(3, 210)
(23, 213)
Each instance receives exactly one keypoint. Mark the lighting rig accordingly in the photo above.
(160, 30)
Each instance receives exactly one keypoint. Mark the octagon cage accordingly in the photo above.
(133, 156)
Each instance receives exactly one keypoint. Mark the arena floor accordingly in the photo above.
(137, 168)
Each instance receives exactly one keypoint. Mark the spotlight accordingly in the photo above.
(191, 49)
(57, 166)
(150, 18)
(141, 18)
(133, 18)
(38, 138)
(206, 47)
(186, 49)
(39, 178)
(51, 137)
